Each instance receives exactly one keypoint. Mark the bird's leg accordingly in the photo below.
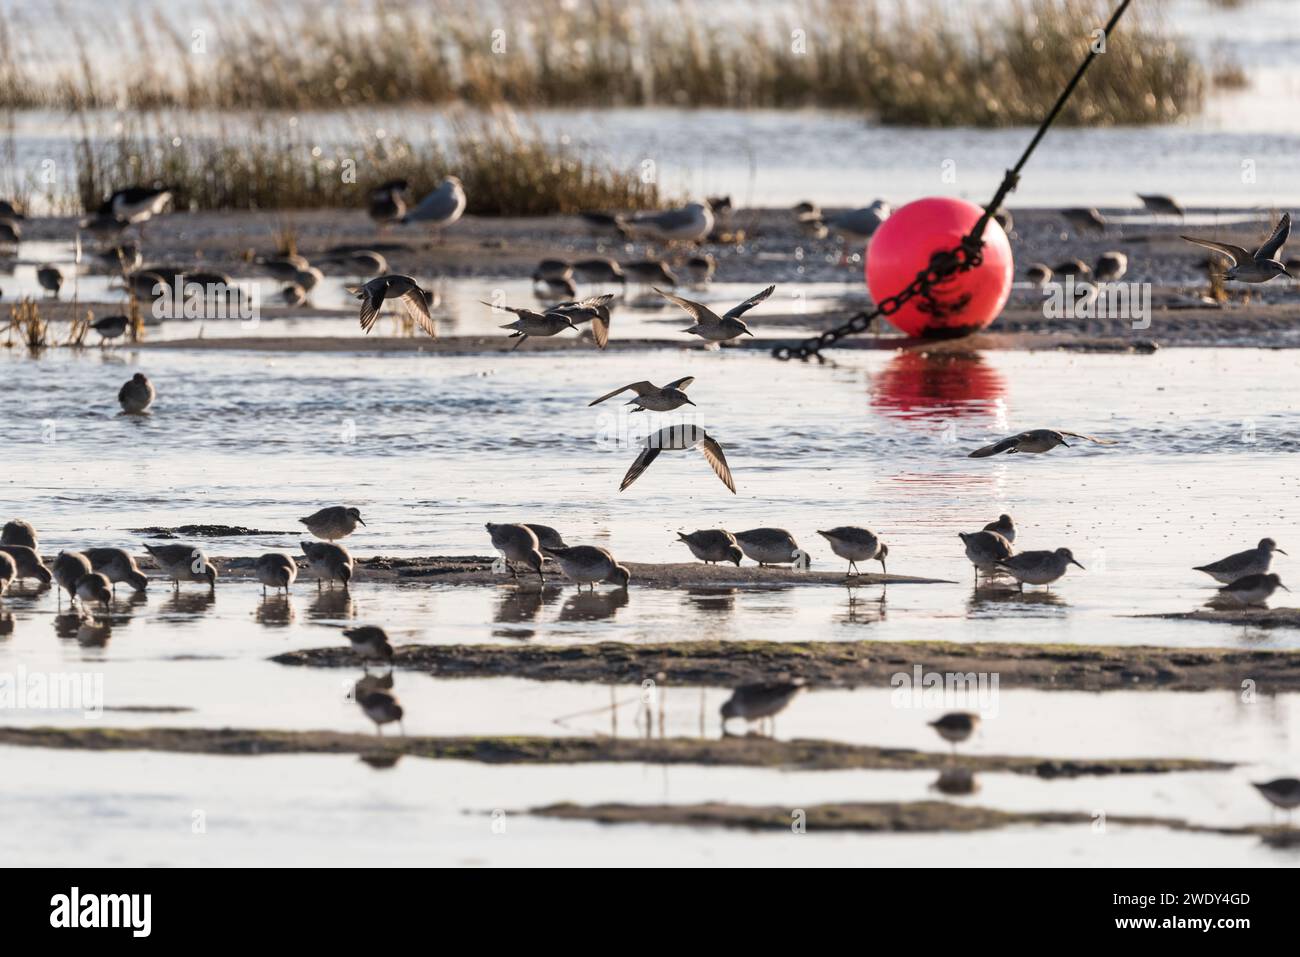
(519, 343)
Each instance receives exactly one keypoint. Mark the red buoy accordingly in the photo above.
(902, 247)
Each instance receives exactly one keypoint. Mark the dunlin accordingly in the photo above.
(690, 223)
(1035, 440)
(1004, 219)
(602, 223)
(382, 708)
(650, 272)
(330, 562)
(1040, 274)
(117, 565)
(19, 532)
(111, 327)
(70, 568)
(652, 397)
(136, 395)
(387, 202)
(94, 588)
(1038, 568)
(8, 572)
(275, 570)
(1084, 220)
(709, 325)
(360, 262)
(712, 545)
(1281, 792)
(554, 288)
(532, 323)
(517, 543)
(146, 284)
(756, 702)
(28, 563)
(184, 563)
(370, 642)
(441, 208)
(1258, 266)
(1253, 561)
(593, 309)
(402, 289)
(547, 537)
(1111, 266)
(50, 279)
(11, 234)
(679, 437)
(284, 268)
(956, 727)
(700, 269)
(123, 258)
(1252, 589)
(856, 544)
(587, 564)
(769, 546)
(599, 270)
(985, 549)
(334, 522)
(1004, 526)
(553, 269)
(1160, 204)
(293, 295)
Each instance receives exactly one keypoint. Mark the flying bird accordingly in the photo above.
(405, 290)
(1259, 266)
(532, 323)
(709, 325)
(1035, 440)
(652, 397)
(681, 437)
(593, 309)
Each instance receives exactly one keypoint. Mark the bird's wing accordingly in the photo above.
(591, 302)
(437, 206)
(713, 453)
(640, 388)
(696, 310)
(517, 310)
(670, 219)
(1236, 253)
(1090, 438)
(600, 330)
(370, 307)
(418, 309)
(1003, 445)
(681, 383)
(737, 311)
(1271, 248)
(640, 465)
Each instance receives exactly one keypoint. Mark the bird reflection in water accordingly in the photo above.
(956, 782)
(760, 702)
(189, 604)
(6, 623)
(522, 606)
(274, 611)
(593, 605)
(864, 611)
(716, 601)
(332, 604)
(998, 600)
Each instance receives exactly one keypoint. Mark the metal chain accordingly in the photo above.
(947, 263)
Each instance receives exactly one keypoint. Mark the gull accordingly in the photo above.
(1038, 568)
(28, 563)
(652, 397)
(50, 279)
(1085, 220)
(1259, 266)
(690, 223)
(333, 523)
(117, 565)
(1035, 440)
(858, 225)
(136, 394)
(1253, 561)
(19, 532)
(370, 643)
(517, 543)
(956, 727)
(857, 545)
(532, 323)
(712, 545)
(405, 290)
(709, 325)
(184, 563)
(769, 546)
(593, 309)
(680, 437)
(1252, 589)
(1111, 266)
(587, 564)
(756, 702)
(441, 208)
(985, 549)
(275, 570)
(330, 562)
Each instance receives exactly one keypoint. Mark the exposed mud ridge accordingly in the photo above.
(734, 751)
(888, 817)
(1259, 617)
(205, 531)
(845, 664)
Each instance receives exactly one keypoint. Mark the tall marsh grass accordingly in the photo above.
(913, 62)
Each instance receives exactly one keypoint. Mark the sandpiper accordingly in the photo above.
(1040, 274)
(70, 568)
(553, 269)
(1072, 267)
(547, 537)
(28, 563)
(1111, 266)
(679, 437)
(8, 572)
(1160, 204)
(955, 727)
(184, 563)
(94, 587)
(407, 293)
(561, 287)
(650, 272)
(370, 642)
(111, 327)
(532, 323)
(985, 549)
(275, 570)
(599, 270)
(857, 545)
(382, 708)
(1258, 266)
(330, 562)
(709, 325)
(334, 522)
(593, 309)
(284, 267)
(147, 284)
(756, 702)
(19, 532)
(712, 545)
(360, 262)
(9, 211)
(50, 279)
(601, 223)
(1281, 792)
(652, 397)
(136, 395)
(517, 543)
(1004, 526)
(387, 202)
(587, 564)
(293, 295)
(441, 208)
(690, 223)
(117, 565)
(700, 269)
(11, 234)
(1253, 561)
(1004, 219)
(1038, 568)
(1084, 220)
(769, 546)
(1035, 440)
(1252, 589)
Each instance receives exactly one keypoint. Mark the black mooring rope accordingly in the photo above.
(947, 263)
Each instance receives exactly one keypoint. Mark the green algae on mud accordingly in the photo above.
(845, 664)
(733, 751)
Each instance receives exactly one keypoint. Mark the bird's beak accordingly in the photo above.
(359, 520)
(1065, 443)
(748, 333)
(1072, 561)
(689, 402)
(1280, 585)
(1280, 552)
